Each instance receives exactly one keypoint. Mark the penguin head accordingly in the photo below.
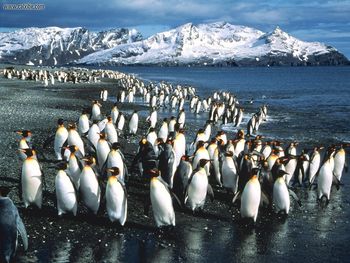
(203, 162)
(114, 171)
(240, 134)
(115, 146)
(28, 152)
(60, 122)
(254, 173)
(72, 148)
(89, 160)
(24, 133)
(72, 126)
(154, 172)
(200, 144)
(62, 166)
(185, 158)
(281, 173)
(229, 154)
(102, 135)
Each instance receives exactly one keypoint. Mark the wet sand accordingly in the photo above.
(309, 233)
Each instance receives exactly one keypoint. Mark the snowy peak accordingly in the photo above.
(218, 43)
(54, 45)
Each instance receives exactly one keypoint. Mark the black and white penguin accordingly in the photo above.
(281, 197)
(24, 143)
(83, 122)
(229, 172)
(145, 158)
(61, 137)
(161, 201)
(325, 176)
(181, 177)
(167, 164)
(10, 225)
(133, 123)
(250, 199)
(89, 185)
(339, 162)
(66, 194)
(96, 111)
(74, 138)
(116, 197)
(102, 150)
(31, 180)
(198, 187)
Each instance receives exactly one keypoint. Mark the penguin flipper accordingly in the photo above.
(89, 144)
(294, 195)
(210, 192)
(235, 197)
(175, 199)
(337, 182)
(22, 231)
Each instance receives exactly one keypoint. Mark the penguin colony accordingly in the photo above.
(91, 165)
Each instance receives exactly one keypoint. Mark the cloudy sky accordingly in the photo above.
(309, 20)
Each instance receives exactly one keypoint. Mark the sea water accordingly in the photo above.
(307, 104)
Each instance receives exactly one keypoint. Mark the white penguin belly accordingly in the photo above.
(74, 171)
(31, 183)
(116, 202)
(90, 190)
(229, 175)
(162, 206)
(65, 194)
(197, 191)
(281, 197)
(325, 179)
(60, 137)
(250, 200)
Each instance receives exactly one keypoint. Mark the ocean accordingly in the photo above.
(306, 104)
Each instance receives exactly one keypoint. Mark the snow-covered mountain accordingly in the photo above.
(57, 46)
(205, 44)
(218, 44)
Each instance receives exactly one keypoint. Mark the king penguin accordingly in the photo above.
(133, 123)
(83, 123)
(96, 111)
(31, 180)
(61, 137)
(250, 199)
(66, 195)
(74, 165)
(161, 200)
(89, 186)
(198, 187)
(116, 197)
(229, 172)
(24, 143)
(325, 176)
(102, 150)
(281, 197)
(315, 161)
(10, 225)
(75, 139)
(339, 163)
